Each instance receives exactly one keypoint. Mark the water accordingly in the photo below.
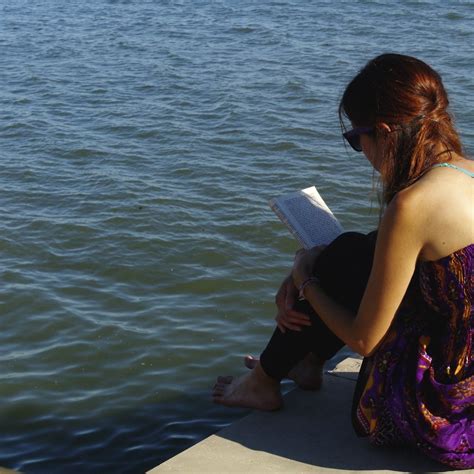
(140, 144)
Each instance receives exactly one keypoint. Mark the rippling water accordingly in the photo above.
(140, 144)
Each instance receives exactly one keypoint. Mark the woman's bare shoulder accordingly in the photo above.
(443, 184)
(440, 204)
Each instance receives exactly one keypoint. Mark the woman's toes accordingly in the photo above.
(219, 389)
(224, 379)
(250, 362)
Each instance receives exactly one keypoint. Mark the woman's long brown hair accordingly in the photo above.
(408, 95)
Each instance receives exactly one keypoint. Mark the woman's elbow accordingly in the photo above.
(365, 348)
(365, 341)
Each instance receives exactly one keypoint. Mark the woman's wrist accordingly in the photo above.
(312, 280)
(298, 279)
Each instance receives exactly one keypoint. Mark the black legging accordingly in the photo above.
(343, 269)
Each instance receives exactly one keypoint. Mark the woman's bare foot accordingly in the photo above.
(252, 390)
(307, 373)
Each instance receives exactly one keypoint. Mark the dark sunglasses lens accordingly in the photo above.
(355, 142)
(353, 139)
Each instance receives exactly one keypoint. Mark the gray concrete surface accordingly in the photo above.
(311, 434)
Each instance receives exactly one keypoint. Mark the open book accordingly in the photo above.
(307, 217)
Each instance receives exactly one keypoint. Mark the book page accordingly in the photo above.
(308, 217)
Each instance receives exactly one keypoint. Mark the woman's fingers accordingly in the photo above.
(290, 304)
(293, 315)
(280, 326)
(302, 320)
(293, 327)
(300, 251)
(281, 293)
(284, 325)
(290, 296)
(287, 317)
(289, 309)
(292, 321)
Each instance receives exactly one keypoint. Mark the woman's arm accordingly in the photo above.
(287, 317)
(399, 242)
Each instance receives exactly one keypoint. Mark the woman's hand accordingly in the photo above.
(287, 317)
(303, 266)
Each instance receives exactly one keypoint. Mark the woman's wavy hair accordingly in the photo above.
(409, 96)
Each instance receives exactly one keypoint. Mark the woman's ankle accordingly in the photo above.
(263, 377)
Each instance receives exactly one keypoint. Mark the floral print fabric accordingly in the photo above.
(418, 388)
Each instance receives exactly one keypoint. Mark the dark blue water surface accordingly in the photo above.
(141, 142)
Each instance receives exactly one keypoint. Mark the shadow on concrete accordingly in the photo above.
(315, 428)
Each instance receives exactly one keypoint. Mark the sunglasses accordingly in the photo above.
(353, 136)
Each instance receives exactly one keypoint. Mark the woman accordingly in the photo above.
(403, 297)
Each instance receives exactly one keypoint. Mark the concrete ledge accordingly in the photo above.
(312, 433)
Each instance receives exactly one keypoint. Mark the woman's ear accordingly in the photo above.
(384, 127)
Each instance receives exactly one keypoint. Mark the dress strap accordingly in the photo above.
(449, 165)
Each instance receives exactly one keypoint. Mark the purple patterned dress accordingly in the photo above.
(418, 388)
